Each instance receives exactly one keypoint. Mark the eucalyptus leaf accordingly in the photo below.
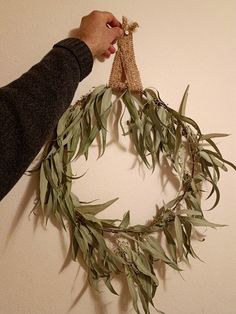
(213, 135)
(109, 286)
(125, 221)
(182, 107)
(142, 268)
(203, 223)
(95, 209)
(43, 186)
(132, 290)
(179, 236)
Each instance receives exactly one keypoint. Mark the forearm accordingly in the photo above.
(31, 106)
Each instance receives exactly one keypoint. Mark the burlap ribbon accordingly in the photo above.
(124, 73)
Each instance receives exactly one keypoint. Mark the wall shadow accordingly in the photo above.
(29, 192)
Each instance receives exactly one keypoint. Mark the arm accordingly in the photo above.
(31, 106)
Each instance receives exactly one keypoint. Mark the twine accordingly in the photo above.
(124, 73)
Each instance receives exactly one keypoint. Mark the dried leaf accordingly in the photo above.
(125, 221)
(95, 209)
(212, 135)
(183, 103)
(43, 186)
(202, 222)
(179, 236)
(132, 289)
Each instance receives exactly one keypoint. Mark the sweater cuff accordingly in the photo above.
(81, 52)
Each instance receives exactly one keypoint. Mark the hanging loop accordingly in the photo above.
(124, 73)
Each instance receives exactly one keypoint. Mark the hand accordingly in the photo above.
(100, 31)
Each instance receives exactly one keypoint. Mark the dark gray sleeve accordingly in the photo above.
(31, 106)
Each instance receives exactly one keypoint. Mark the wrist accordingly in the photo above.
(81, 51)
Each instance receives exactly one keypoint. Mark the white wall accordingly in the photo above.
(178, 43)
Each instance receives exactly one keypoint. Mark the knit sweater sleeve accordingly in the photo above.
(31, 106)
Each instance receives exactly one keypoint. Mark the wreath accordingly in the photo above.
(110, 247)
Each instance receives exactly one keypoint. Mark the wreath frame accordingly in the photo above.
(113, 246)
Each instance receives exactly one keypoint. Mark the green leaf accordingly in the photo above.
(48, 174)
(134, 114)
(147, 285)
(125, 221)
(61, 126)
(71, 126)
(106, 100)
(153, 247)
(171, 244)
(109, 285)
(162, 116)
(212, 143)
(195, 204)
(189, 212)
(43, 185)
(217, 192)
(178, 141)
(86, 143)
(82, 244)
(93, 219)
(144, 301)
(98, 90)
(179, 236)
(212, 135)
(150, 94)
(98, 237)
(204, 155)
(74, 248)
(74, 143)
(218, 163)
(85, 234)
(185, 119)
(220, 158)
(183, 103)
(202, 222)
(132, 289)
(95, 209)
(142, 268)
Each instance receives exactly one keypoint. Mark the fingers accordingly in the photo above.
(106, 54)
(115, 26)
(111, 19)
(109, 51)
(100, 31)
(117, 32)
(112, 49)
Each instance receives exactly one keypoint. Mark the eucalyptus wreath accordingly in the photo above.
(110, 247)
